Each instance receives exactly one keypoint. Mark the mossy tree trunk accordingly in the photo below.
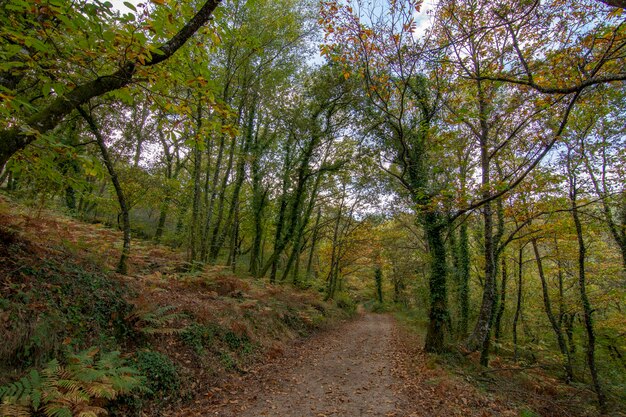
(556, 327)
(582, 285)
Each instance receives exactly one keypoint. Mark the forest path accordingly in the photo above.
(346, 371)
(367, 367)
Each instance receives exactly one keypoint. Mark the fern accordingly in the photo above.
(149, 320)
(70, 390)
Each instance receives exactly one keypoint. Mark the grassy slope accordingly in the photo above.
(58, 296)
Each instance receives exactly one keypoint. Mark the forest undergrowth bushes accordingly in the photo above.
(534, 386)
(59, 299)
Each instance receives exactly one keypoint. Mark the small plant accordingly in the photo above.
(147, 319)
(237, 343)
(228, 361)
(345, 303)
(77, 388)
(527, 413)
(199, 336)
(160, 373)
(378, 307)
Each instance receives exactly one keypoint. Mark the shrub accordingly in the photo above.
(161, 375)
(237, 343)
(76, 388)
(346, 303)
(378, 307)
(199, 336)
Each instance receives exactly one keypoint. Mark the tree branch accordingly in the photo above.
(18, 137)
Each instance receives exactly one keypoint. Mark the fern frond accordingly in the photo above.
(56, 410)
(67, 391)
(151, 320)
(90, 411)
(102, 390)
(14, 410)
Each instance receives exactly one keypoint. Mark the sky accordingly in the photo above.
(119, 4)
(423, 19)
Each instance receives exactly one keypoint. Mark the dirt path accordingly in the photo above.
(368, 367)
(343, 372)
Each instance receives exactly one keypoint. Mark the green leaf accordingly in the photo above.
(108, 36)
(130, 6)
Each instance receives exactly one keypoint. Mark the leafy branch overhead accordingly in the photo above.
(12, 139)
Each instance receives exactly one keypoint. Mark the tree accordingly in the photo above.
(27, 126)
(122, 267)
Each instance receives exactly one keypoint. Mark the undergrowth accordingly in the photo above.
(535, 387)
(79, 387)
(180, 331)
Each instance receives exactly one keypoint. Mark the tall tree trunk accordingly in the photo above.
(567, 360)
(309, 264)
(303, 222)
(502, 304)
(210, 202)
(378, 278)
(283, 239)
(582, 284)
(278, 240)
(214, 247)
(195, 210)
(158, 234)
(122, 266)
(334, 262)
(219, 238)
(438, 315)
(481, 334)
(518, 305)
(463, 278)
(258, 204)
(234, 241)
(295, 277)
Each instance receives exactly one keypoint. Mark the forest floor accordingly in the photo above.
(365, 367)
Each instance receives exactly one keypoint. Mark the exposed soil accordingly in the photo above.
(357, 369)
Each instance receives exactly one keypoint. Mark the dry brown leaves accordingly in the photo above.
(431, 390)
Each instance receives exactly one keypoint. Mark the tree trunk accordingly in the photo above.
(210, 202)
(214, 247)
(217, 243)
(378, 277)
(438, 315)
(309, 264)
(463, 279)
(334, 263)
(195, 210)
(122, 266)
(158, 234)
(587, 310)
(518, 306)
(501, 305)
(481, 334)
(567, 360)
(302, 224)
